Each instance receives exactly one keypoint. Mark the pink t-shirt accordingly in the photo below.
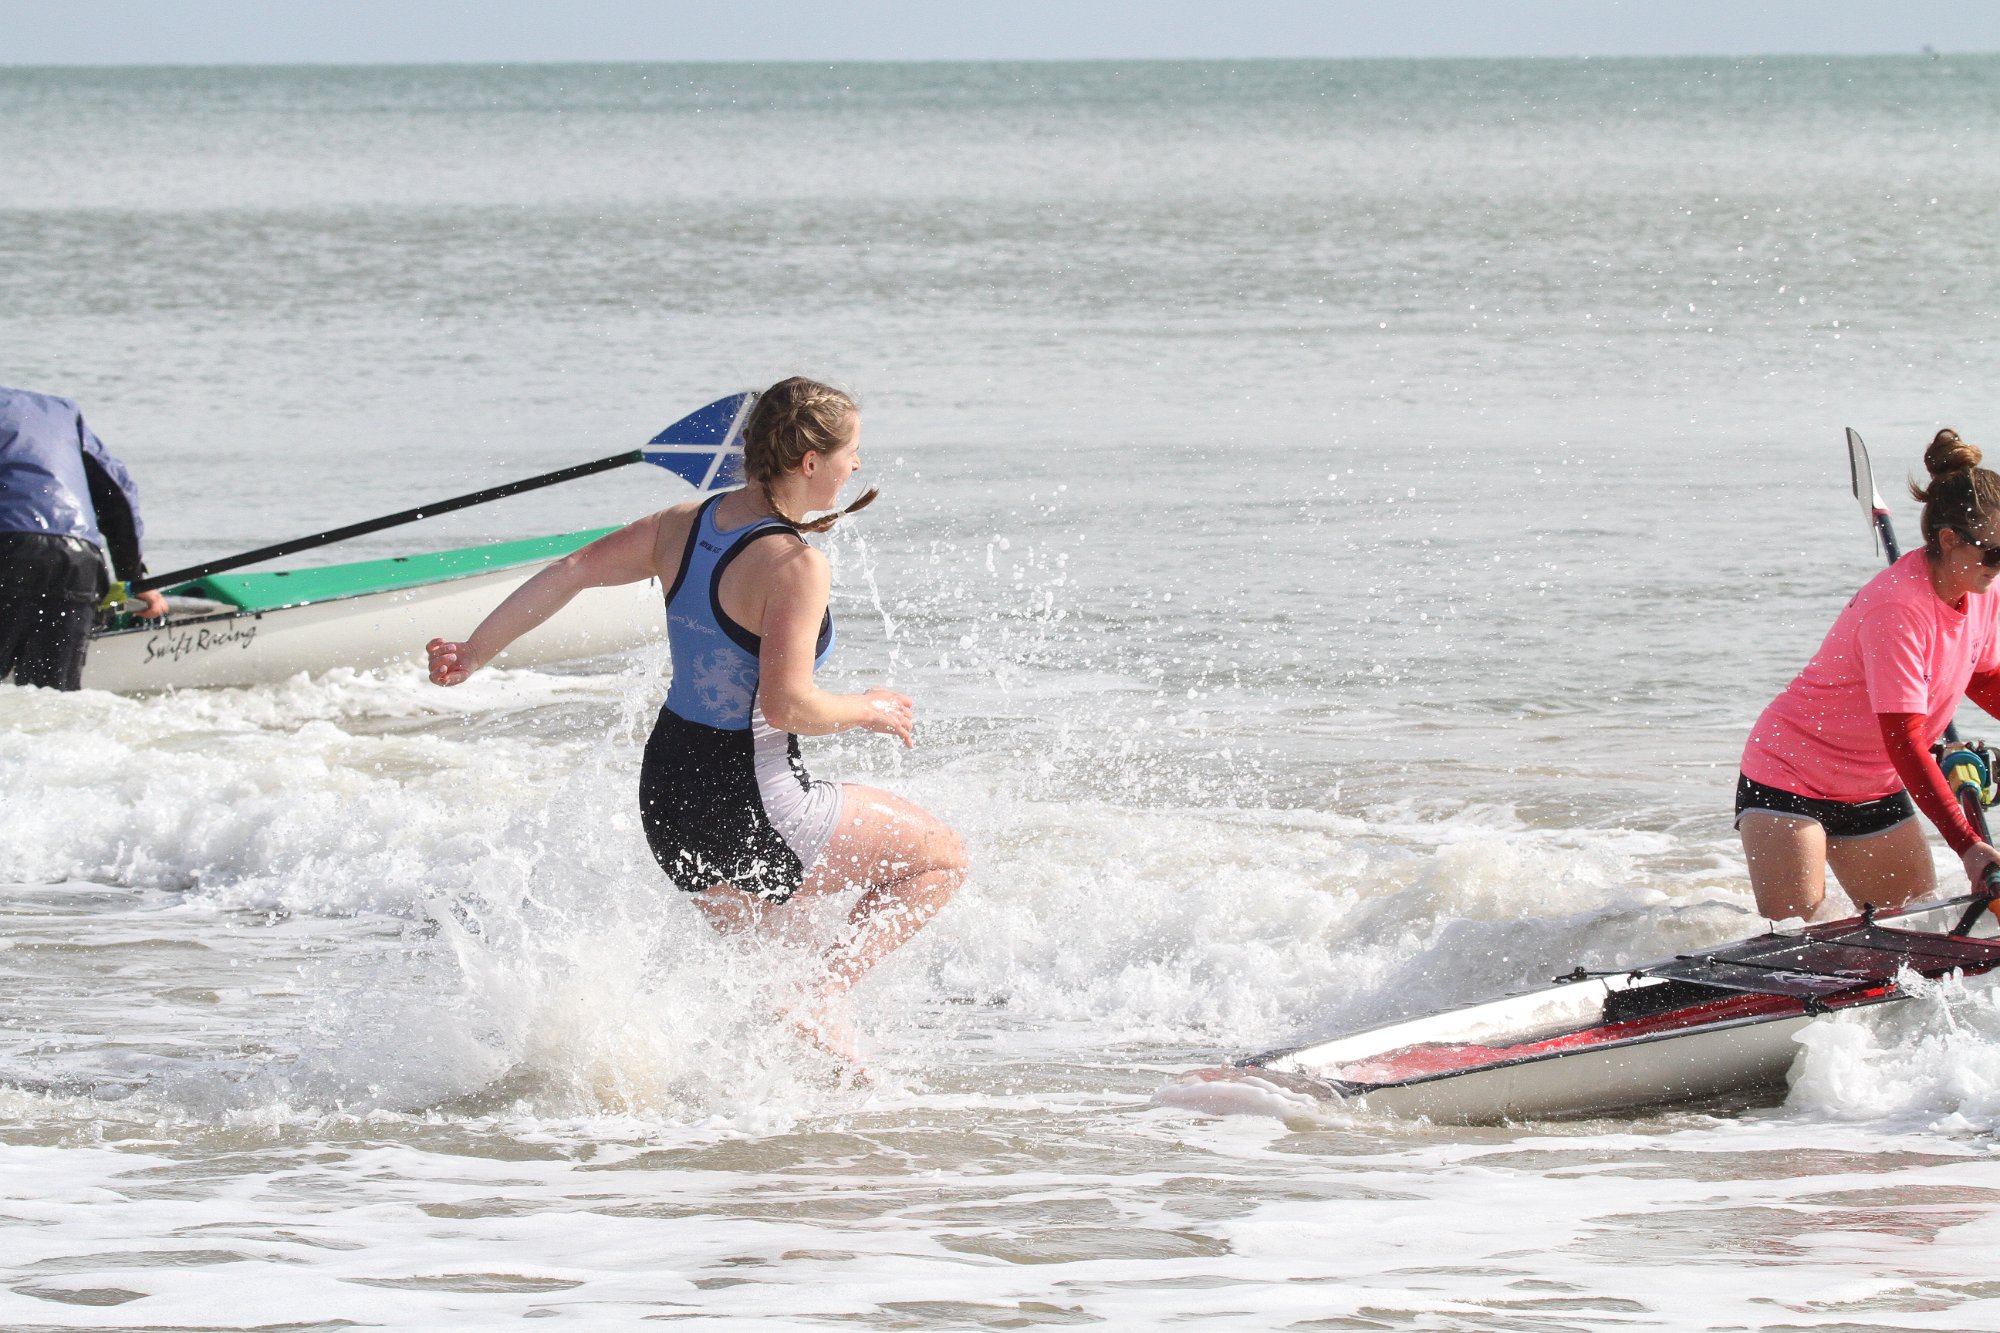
(1897, 648)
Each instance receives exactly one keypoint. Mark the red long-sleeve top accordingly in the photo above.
(1903, 739)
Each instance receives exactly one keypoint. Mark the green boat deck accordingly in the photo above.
(291, 587)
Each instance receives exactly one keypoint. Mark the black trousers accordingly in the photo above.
(49, 589)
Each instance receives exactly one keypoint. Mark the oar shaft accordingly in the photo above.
(1888, 533)
(152, 581)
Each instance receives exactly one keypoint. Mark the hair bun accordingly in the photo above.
(1947, 454)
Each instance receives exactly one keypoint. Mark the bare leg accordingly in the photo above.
(1787, 857)
(1887, 870)
(731, 911)
(906, 863)
(734, 912)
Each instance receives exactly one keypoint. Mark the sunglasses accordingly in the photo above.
(1989, 553)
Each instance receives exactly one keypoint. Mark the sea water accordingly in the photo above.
(1339, 521)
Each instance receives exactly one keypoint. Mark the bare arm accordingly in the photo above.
(797, 587)
(625, 556)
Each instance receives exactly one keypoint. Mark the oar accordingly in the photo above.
(703, 448)
(1879, 522)
(1964, 769)
(1871, 499)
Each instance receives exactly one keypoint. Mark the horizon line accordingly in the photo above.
(1923, 53)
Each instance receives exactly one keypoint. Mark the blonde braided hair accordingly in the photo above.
(793, 418)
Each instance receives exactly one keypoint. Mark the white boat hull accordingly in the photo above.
(1744, 1059)
(376, 629)
(1747, 1061)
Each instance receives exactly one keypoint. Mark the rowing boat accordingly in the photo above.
(1716, 1025)
(251, 629)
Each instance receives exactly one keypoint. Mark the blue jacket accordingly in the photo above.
(57, 477)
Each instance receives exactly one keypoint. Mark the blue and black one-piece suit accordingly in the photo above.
(723, 794)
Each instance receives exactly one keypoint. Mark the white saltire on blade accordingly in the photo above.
(705, 447)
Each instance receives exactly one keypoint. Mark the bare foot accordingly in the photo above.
(819, 1029)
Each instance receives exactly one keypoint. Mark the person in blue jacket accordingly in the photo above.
(65, 505)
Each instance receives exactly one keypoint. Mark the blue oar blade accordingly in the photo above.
(705, 447)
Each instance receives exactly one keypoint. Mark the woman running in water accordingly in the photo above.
(1832, 765)
(728, 808)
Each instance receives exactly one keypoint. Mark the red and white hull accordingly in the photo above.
(1592, 1046)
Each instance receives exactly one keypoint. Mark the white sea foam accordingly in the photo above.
(1931, 1061)
(505, 893)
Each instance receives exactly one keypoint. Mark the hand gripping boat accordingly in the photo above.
(1714, 1025)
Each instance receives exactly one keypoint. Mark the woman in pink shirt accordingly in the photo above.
(1832, 765)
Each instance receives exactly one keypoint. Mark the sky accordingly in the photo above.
(119, 32)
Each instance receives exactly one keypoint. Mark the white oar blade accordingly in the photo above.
(705, 447)
(1864, 483)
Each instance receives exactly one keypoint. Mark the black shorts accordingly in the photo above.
(732, 807)
(1840, 819)
(49, 590)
